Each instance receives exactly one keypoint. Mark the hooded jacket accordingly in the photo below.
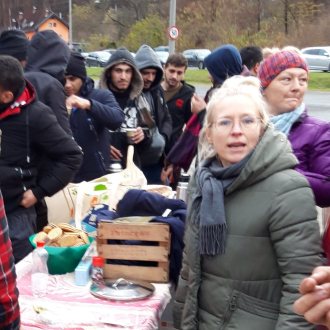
(125, 99)
(122, 55)
(223, 62)
(146, 58)
(30, 132)
(90, 130)
(273, 241)
(310, 140)
(47, 58)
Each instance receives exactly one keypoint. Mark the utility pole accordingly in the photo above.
(171, 42)
(70, 24)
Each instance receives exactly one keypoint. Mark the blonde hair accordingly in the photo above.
(234, 86)
(269, 51)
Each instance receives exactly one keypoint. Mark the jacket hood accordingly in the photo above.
(87, 87)
(48, 53)
(122, 55)
(147, 58)
(224, 62)
(272, 154)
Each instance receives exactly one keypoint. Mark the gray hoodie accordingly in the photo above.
(122, 55)
(146, 58)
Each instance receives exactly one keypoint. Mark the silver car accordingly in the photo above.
(317, 58)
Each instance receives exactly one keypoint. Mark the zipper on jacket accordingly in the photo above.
(20, 173)
(231, 308)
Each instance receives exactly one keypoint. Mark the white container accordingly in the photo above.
(39, 273)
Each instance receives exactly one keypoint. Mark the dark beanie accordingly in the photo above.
(76, 66)
(14, 43)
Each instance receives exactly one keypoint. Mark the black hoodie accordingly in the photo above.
(47, 58)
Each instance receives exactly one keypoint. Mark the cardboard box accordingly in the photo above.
(144, 249)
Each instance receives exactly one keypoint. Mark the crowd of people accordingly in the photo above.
(261, 166)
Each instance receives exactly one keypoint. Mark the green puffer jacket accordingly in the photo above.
(273, 242)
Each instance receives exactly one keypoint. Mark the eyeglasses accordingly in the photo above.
(247, 123)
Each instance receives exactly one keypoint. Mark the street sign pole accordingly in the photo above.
(171, 42)
(70, 24)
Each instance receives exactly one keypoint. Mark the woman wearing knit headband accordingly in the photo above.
(284, 79)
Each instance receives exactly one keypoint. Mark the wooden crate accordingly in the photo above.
(148, 232)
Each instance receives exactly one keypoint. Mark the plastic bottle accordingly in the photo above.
(97, 269)
(39, 274)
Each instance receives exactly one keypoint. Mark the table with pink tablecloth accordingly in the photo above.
(71, 307)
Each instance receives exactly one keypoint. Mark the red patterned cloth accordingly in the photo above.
(9, 308)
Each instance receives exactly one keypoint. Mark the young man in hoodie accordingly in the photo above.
(47, 58)
(124, 80)
(29, 131)
(154, 102)
(94, 111)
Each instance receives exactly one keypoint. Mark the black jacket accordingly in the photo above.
(179, 107)
(25, 137)
(90, 130)
(46, 72)
(146, 58)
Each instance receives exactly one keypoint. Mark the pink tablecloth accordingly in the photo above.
(72, 307)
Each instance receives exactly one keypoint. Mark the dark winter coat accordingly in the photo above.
(310, 139)
(147, 58)
(24, 138)
(47, 58)
(90, 130)
(179, 107)
(272, 242)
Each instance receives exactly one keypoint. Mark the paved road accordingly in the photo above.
(318, 103)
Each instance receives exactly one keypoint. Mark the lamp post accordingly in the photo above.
(70, 24)
(171, 42)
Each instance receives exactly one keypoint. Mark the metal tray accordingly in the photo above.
(121, 289)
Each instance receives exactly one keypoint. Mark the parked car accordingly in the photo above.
(196, 57)
(99, 58)
(110, 50)
(162, 56)
(317, 58)
(162, 49)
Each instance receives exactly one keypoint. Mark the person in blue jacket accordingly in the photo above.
(92, 113)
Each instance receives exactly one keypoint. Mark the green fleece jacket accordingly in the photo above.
(272, 243)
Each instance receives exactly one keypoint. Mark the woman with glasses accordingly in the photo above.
(251, 231)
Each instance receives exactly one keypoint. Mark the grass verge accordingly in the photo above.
(319, 81)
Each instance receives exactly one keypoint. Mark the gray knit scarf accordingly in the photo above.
(212, 180)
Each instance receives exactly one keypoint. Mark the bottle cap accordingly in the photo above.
(40, 244)
(98, 261)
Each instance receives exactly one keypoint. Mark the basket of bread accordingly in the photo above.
(65, 245)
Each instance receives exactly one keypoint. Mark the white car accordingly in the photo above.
(162, 55)
(317, 58)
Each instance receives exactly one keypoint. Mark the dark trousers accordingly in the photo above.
(42, 214)
(152, 173)
(22, 224)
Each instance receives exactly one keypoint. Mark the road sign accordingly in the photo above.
(173, 32)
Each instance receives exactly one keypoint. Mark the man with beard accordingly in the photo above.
(124, 80)
(154, 105)
(178, 96)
